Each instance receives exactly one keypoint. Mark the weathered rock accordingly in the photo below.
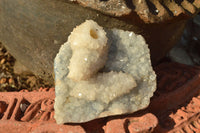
(21, 69)
(179, 54)
(150, 11)
(187, 50)
(128, 53)
(34, 30)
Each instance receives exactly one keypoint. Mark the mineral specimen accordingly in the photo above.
(105, 87)
(89, 45)
(124, 85)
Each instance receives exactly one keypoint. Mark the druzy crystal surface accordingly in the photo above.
(124, 85)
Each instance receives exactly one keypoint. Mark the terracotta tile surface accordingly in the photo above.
(175, 107)
(148, 10)
(143, 124)
(116, 126)
(176, 101)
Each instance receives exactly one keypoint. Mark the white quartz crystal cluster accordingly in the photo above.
(97, 77)
(89, 45)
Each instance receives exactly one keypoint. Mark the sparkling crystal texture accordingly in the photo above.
(124, 85)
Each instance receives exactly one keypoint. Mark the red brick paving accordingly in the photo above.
(175, 107)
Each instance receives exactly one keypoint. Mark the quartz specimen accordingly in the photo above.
(124, 85)
(105, 87)
(89, 45)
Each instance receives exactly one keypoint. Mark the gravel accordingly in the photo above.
(10, 81)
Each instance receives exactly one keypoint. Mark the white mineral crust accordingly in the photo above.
(88, 42)
(124, 85)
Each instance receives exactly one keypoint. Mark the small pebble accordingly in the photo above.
(2, 80)
(3, 61)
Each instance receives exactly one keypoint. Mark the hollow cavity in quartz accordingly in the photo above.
(88, 42)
